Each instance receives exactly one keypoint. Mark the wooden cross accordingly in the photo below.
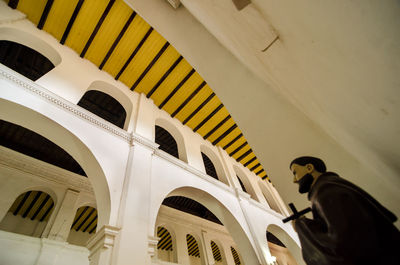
(296, 214)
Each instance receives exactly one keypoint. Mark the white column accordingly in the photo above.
(209, 258)
(65, 216)
(133, 240)
(101, 246)
(181, 247)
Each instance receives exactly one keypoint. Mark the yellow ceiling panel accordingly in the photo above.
(221, 130)
(33, 9)
(180, 96)
(226, 140)
(194, 103)
(143, 57)
(204, 112)
(85, 23)
(235, 145)
(213, 121)
(170, 83)
(243, 150)
(252, 164)
(59, 16)
(157, 70)
(110, 30)
(132, 37)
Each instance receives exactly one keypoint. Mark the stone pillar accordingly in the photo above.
(49, 251)
(65, 216)
(101, 245)
(181, 247)
(152, 249)
(206, 243)
(227, 254)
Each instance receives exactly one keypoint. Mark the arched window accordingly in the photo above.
(29, 214)
(210, 168)
(241, 184)
(166, 141)
(104, 106)
(83, 226)
(193, 247)
(164, 245)
(24, 60)
(236, 257)
(29, 143)
(216, 252)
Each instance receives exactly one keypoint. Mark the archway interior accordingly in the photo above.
(282, 246)
(164, 245)
(241, 184)
(236, 257)
(216, 252)
(193, 247)
(29, 214)
(24, 60)
(83, 226)
(104, 106)
(29, 143)
(209, 166)
(166, 141)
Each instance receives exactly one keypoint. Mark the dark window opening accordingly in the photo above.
(273, 239)
(191, 207)
(210, 169)
(24, 60)
(32, 144)
(104, 106)
(166, 141)
(241, 184)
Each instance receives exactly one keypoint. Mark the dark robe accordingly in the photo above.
(349, 227)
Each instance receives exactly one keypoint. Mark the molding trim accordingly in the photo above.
(43, 170)
(103, 239)
(64, 104)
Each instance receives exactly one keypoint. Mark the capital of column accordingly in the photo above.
(103, 239)
(152, 245)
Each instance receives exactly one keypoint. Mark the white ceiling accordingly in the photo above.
(329, 86)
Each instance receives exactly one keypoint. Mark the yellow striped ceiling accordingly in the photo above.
(165, 242)
(235, 256)
(193, 247)
(85, 220)
(117, 40)
(216, 252)
(35, 205)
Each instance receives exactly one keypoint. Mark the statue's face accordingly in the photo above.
(303, 177)
(299, 172)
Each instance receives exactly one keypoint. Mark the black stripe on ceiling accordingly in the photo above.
(31, 204)
(199, 108)
(22, 202)
(194, 93)
(266, 176)
(155, 59)
(208, 117)
(256, 166)
(45, 13)
(222, 136)
(96, 29)
(47, 212)
(93, 229)
(40, 207)
(91, 222)
(134, 52)
(13, 4)
(238, 149)
(240, 158)
(151, 92)
(186, 78)
(217, 127)
(261, 170)
(120, 35)
(79, 217)
(87, 218)
(71, 21)
(250, 161)
(233, 141)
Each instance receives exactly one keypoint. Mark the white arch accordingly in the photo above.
(216, 160)
(171, 231)
(269, 197)
(175, 132)
(246, 182)
(202, 251)
(219, 209)
(41, 124)
(29, 40)
(117, 94)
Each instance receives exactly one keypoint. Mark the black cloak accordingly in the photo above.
(348, 226)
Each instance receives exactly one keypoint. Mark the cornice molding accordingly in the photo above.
(43, 170)
(64, 104)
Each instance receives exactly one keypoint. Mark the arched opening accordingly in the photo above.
(104, 106)
(269, 198)
(209, 166)
(193, 250)
(24, 60)
(165, 248)
(216, 253)
(84, 226)
(166, 141)
(241, 184)
(282, 247)
(29, 214)
(245, 183)
(236, 257)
